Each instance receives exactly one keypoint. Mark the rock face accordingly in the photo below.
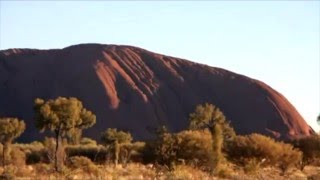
(133, 89)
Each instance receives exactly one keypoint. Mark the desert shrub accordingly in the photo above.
(187, 147)
(88, 141)
(194, 149)
(314, 177)
(162, 150)
(251, 166)
(17, 157)
(42, 168)
(35, 152)
(116, 141)
(83, 163)
(136, 153)
(1, 152)
(49, 146)
(33, 146)
(223, 171)
(310, 147)
(265, 150)
(94, 153)
(79, 162)
(288, 156)
(9, 173)
(186, 172)
(129, 149)
(10, 129)
(34, 157)
(123, 152)
(208, 116)
(111, 135)
(14, 156)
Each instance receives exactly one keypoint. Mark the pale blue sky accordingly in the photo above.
(276, 42)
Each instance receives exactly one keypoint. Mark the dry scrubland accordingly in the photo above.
(209, 149)
(183, 155)
(140, 171)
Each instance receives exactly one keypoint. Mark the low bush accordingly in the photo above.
(186, 172)
(251, 166)
(42, 168)
(17, 157)
(9, 173)
(265, 150)
(96, 154)
(136, 153)
(187, 147)
(310, 147)
(83, 163)
(14, 156)
(87, 141)
(35, 152)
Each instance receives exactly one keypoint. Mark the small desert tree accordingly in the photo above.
(209, 117)
(115, 139)
(62, 116)
(10, 129)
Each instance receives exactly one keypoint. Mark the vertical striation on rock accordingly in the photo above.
(137, 90)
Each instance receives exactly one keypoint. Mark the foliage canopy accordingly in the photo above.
(10, 129)
(112, 134)
(62, 115)
(207, 116)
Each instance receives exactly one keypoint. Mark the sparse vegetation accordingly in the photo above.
(209, 149)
